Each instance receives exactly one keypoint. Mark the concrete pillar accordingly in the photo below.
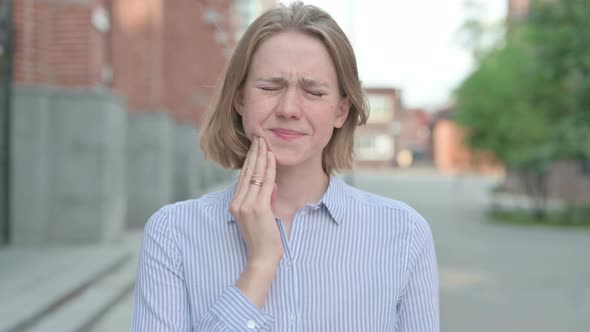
(189, 162)
(150, 165)
(68, 166)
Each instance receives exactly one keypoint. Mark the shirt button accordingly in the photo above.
(251, 324)
(292, 317)
(288, 263)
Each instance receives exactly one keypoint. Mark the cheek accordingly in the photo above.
(249, 124)
(324, 126)
(256, 111)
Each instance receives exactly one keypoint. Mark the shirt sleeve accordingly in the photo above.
(161, 298)
(418, 310)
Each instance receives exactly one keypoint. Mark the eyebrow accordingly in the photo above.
(305, 81)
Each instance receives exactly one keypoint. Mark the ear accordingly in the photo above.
(342, 112)
(238, 102)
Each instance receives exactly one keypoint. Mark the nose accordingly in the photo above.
(289, 105)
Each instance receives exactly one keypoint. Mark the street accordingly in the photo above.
(493, 277)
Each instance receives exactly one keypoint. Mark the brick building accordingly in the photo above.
(106, 97)
(451, 154)
(157, 54)
(414, 141)
(375, 143)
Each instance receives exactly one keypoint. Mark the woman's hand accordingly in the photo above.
(252, 207)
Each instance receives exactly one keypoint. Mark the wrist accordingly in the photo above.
(263, 265)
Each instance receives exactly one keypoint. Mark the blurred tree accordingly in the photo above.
(529, 99)
(561, 39)
(477, 34)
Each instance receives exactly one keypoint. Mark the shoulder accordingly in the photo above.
(367, 200)
(213, 205)
(389, 213)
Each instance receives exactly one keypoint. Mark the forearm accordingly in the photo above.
(256, 280)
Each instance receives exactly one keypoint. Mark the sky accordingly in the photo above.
(409, 44)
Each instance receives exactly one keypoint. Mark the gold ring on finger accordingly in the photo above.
(256, 182)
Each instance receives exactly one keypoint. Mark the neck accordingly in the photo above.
(296, 187)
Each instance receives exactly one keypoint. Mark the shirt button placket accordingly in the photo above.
(292, 282)
(251, 324)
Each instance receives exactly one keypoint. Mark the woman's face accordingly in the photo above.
(291, 98)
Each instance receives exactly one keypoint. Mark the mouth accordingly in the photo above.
(287, 134)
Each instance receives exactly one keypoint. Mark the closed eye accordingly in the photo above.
(268, 88)
(316, 93)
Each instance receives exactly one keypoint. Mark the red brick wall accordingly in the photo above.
(137, 52)
(449, 154)
(163, 54)
(194, 59)
(55, 43)
(452, 156)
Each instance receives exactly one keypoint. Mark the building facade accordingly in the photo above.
(105, 102)
(375, 143)
(414, 141)
(451, 154)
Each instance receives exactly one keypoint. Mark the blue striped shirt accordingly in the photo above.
(354, 261)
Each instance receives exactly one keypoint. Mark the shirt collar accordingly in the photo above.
(334, 199)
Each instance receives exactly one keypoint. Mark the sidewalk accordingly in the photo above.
(64, 288)
(67, 288)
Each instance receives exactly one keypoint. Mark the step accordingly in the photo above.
(36, 282)
(79, 313)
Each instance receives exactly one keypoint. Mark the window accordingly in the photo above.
(378, 147)
(381, 107)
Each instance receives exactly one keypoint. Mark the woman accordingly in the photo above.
(289, 247)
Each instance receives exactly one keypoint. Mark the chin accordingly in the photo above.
(285, 161)
(291, 161)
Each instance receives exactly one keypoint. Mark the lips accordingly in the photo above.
(287, 134)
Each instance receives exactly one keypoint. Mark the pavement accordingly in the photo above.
(496, 277)
(493, 277)
(65, 288)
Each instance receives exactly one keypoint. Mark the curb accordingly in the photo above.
(91, 304)
(27, 309)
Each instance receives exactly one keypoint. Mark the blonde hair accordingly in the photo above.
(228, 145)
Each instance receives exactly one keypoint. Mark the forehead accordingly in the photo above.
(292, 55)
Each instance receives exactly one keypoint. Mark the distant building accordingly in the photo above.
(414, 141)
(104, 99)
(375, 143)
(450, 151)
(159, 55)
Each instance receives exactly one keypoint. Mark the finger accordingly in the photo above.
(244, 168)
(259, 171)
(247, 169)
(268, 185)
